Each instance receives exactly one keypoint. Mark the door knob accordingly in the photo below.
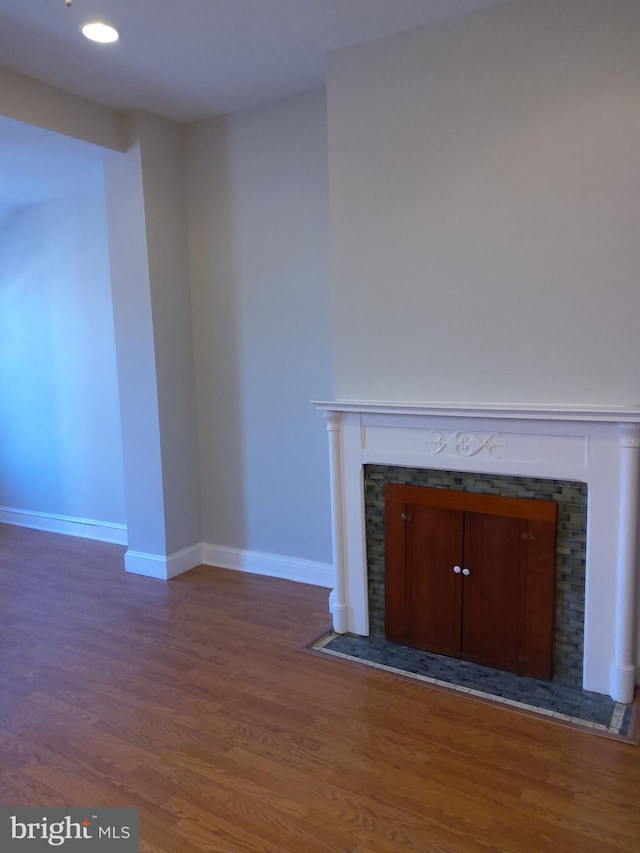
(466, 572)
(457, 569)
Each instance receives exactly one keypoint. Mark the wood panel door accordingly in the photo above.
(471, 576)
(492, 595)
(433, 593)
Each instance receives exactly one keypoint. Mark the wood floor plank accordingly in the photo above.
(192, 701)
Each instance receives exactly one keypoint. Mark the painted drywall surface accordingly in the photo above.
(135, 354)
(60, 441)
(166, 232)
(484, 208)
(37, 103)
(258, 231)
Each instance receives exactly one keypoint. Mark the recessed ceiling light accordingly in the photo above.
(98, 31)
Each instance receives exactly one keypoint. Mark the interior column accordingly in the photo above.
(623, 666)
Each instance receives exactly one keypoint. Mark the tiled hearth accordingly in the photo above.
(598, 447)
(558, 701)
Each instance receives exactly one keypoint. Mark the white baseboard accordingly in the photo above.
(166, 567)
(163, 568)
(272, 565)
(85, 528)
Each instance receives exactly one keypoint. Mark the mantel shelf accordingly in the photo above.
(591, 413)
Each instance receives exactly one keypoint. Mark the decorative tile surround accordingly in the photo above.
(597, 446)
(571, 497)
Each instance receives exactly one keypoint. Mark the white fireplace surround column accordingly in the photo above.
(596, 445)
(339, 606)
(623, 667)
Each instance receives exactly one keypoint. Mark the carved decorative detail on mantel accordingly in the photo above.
(333, 420)
(629, 435)
(466, 443)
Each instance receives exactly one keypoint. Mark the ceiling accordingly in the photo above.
(182, 59)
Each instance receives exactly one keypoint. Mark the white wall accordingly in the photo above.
(258, 231)
(484, 208)
(258, 221)
(60, 443)
(135, 353)
(163, 172)
(152, 310)
(39, 104)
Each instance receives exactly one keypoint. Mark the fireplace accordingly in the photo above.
(570, 497)
(595, 448)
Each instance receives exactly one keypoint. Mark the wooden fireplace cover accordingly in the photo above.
(471, 576)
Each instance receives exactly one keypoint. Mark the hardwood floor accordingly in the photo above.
(190, 700)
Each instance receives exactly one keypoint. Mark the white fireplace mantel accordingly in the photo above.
(597, 445)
